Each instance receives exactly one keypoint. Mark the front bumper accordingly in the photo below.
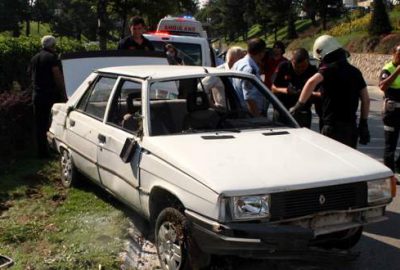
(291, 239)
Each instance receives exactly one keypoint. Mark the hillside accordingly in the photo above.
(350, 30)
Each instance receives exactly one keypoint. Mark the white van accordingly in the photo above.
(194, 51)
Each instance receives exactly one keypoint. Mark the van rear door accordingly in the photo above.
(195, 51)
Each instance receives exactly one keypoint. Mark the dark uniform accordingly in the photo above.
(340, 92)
(391, 117)
(45, 94)
(128, 43)
(286, 76)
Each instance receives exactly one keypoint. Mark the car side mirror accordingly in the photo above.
(128, 150)
(69, 109)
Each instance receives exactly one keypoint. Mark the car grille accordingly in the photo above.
(299, 203)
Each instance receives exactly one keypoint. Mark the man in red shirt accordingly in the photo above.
(272, 61)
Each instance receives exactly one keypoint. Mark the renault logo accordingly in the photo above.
(322, 199)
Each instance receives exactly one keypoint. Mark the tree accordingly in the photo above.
(310, 7)
(380, 23)
(12, 13)
(212, 18)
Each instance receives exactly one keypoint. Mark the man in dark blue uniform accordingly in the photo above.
(390, 85)
(290, 79)
(136, 41)
(48, 88)
(342, 86)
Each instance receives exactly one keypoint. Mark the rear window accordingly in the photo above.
(190, 53)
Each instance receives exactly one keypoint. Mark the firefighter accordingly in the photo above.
(342, 86)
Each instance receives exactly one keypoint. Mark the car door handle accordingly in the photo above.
(102, 138)
(71, 122)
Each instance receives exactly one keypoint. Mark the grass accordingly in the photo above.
(44, 226)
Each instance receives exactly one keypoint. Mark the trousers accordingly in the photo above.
(42, 110)
(343, 132)
(391, 138)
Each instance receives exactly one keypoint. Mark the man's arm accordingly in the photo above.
(364, 97)
(309, 87)
(252, 107)
(59, 80)
(385, 82)
(363, 131)
(275, 89)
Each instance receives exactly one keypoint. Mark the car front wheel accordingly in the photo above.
(170, 236)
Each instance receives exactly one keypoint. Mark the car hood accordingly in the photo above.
(255, 162)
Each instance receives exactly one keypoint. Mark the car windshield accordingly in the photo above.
(212, 104)
(189, 53)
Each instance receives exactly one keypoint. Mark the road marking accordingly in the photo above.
(394, 242)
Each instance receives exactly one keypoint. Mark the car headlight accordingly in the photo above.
(379, 191)
(250, 207)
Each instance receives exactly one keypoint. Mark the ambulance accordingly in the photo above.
(181, 26)
(189, 38)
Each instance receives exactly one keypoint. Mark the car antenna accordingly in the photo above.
(205, 70)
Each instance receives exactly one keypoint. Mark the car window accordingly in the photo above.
(126, 107)
(94, 101)
(190, 53)
(210, 104)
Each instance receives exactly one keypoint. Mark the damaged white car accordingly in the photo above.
(212, 178)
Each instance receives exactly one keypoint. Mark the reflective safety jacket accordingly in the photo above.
(393, 92)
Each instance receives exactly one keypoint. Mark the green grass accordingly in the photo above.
(44, 226)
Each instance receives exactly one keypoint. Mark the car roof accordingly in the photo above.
(163, 71)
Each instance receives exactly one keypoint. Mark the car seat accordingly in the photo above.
(200, 115)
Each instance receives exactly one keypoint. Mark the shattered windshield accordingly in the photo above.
(212, 104)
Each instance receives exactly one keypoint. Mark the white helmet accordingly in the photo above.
(323, 45)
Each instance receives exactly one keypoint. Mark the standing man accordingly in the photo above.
(271, 62)
(342, 86)
(290, 79)
(390, 85)
(48, 88)
(251, 98)
(136, 41)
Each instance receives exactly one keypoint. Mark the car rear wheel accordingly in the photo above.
(69, 174)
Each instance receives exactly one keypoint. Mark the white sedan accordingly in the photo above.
(212, 178)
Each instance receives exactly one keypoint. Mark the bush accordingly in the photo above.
(357, 25)
(15, 56)
(16, 123)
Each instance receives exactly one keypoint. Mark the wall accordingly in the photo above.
(370, 65)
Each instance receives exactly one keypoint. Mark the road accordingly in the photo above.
(379, 247)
